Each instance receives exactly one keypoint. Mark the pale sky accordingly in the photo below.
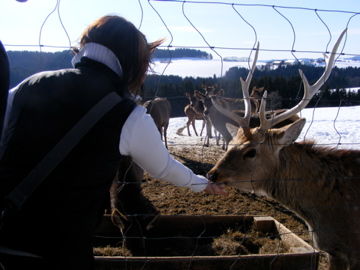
(220, 24)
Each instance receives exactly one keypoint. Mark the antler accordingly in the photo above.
(224, 108)
(309, 92)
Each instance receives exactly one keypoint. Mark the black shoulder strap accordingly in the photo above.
(17, 197)
(4, 83)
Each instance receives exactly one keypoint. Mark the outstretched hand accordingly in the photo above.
(214, 188)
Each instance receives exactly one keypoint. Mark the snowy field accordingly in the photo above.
(195, 68)
(334, 127)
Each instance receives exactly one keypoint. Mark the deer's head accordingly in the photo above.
(205, 98)
(253, 154)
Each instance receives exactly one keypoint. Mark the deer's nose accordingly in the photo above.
(212, 176)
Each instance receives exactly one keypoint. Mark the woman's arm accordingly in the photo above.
(141, 140)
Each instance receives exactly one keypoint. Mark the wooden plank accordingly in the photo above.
(193, 229)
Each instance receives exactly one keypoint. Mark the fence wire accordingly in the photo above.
(236, 9)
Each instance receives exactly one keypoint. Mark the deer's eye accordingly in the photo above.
(250, 154)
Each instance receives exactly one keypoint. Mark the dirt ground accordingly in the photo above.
(171, 200)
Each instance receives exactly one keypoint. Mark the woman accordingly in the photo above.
(58, 220)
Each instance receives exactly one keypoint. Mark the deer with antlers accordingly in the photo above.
(221, 121)
(321, 185)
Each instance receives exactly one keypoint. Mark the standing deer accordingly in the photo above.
(321, 185)
(194, 111)
(237, 103)
(221, 121)
(217, 119)
(160, 110)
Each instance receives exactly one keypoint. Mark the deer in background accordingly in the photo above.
(160, 111)
(255, 98)
(219, 120)
(194, 111)
(237, 103)
(321, 185)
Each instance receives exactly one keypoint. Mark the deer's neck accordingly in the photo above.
(307, 176)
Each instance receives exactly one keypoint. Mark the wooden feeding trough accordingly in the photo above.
(188, 242)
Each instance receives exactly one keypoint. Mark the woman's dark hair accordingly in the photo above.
(126, 42)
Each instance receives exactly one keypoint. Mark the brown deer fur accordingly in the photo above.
(321, 185)
(160, 111)
(193, 114)
(195, 111)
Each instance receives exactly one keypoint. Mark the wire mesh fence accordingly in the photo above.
(191, 150)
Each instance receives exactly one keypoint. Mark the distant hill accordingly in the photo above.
(26, 63)
(180, 53)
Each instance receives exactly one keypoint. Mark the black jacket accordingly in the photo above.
(64, 211)
(4, 83)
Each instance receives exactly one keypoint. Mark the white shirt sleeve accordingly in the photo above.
(141, 140)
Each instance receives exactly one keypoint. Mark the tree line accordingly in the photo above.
(26, 63)
(180, 53)
(283, 84)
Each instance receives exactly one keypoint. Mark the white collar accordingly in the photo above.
(99, 53)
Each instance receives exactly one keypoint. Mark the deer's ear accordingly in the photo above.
(288, 134)
(232, 129)
(153, 45)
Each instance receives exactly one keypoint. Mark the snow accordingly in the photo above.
(208, 68)
(337, 127)
(196, 68)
